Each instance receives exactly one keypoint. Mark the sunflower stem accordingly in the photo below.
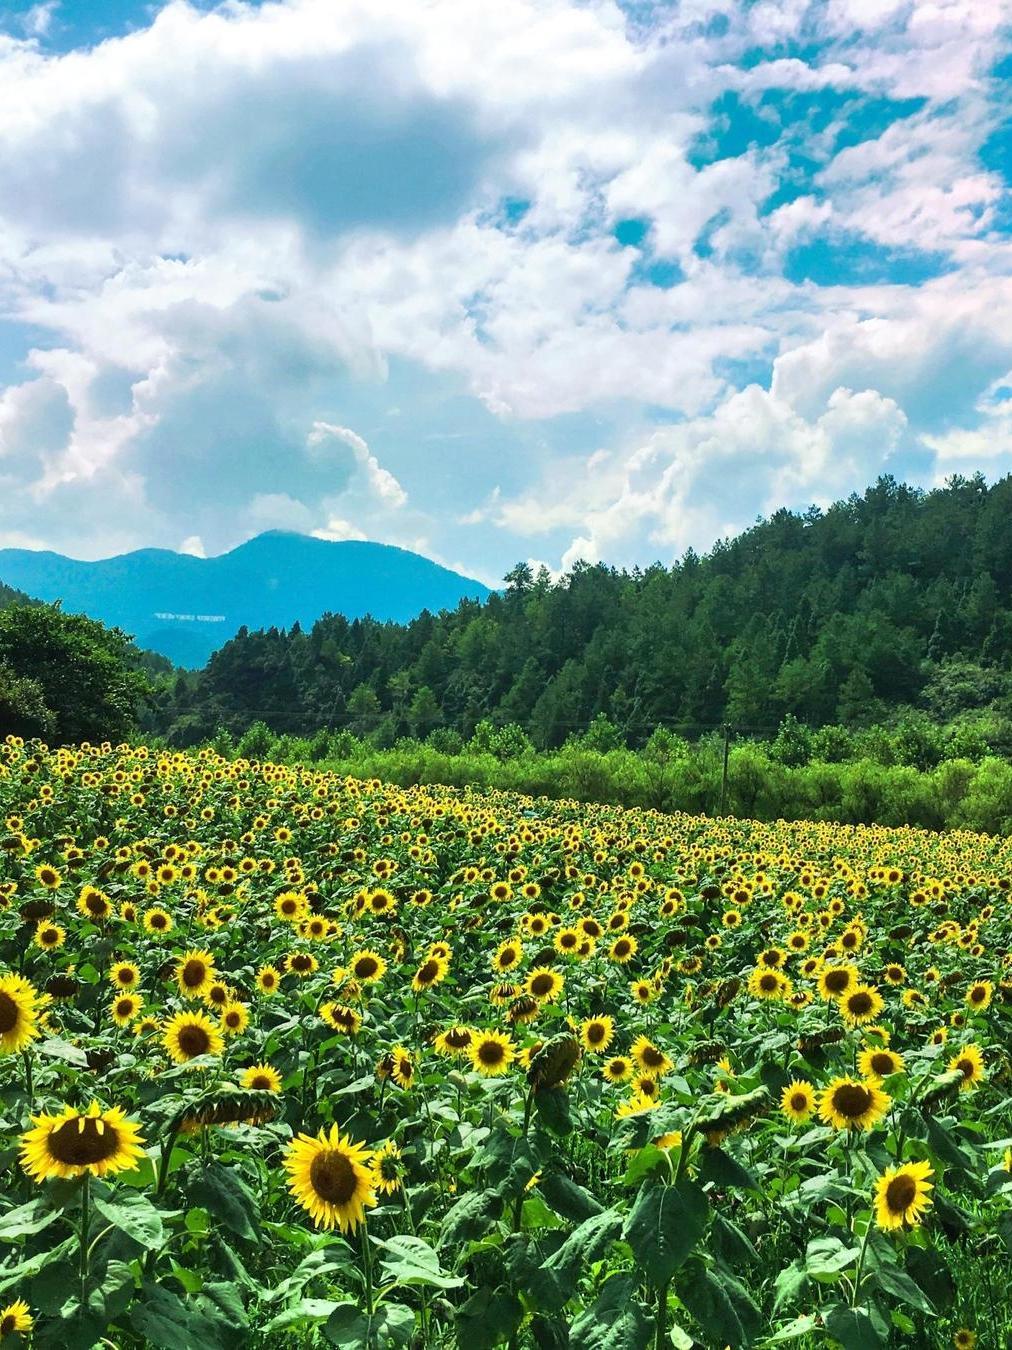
(29, 1081)
(662, 1315)
(367, 1271)
(860, 1263)
(85, 1227)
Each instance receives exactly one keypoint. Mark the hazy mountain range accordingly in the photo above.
(187, 607)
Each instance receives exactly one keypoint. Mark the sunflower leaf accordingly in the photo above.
(134, 1215)
(664, 1225)
(409, 1260)
(616, 1321)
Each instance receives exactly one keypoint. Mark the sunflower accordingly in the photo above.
(596, 1033)
(642, 991)
(970, 1063)
(623, 949)
(766, 982)
(188, 1035)
(861, 1004)
(291, 906)
(331, 1178)
(49, 936)
(848, 1104)
(544, 984)
(125, 975)
(431, 972)
(301, 964)
(94, 904)
(979, 995)
(387, 1168)
(268, 980)
(650, 1058)
(797, 1101)
(234, 1019)
(73, 1143)
(636, 1105)
(618, 1069)
(342, 1018)
(195, 973)
(15, 1319)
(157, 921)
(367, 966)
(125, 1008)
(508, 954)
(876, 1063)
(18, 1013)
(402, 1066)
(261, 1078)
(48, 877)
(964, 1339)
(835, 981)
(454, 1043)
(901, 1195)
(491, 1053)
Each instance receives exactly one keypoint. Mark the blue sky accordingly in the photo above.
(543, 279)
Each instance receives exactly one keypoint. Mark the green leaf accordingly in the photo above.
(616, 1321)
(470, 1218)
(730, 1245)
(409, 1260)
(664, 1225)
(27, 1220)
(166, 1322)
(725, 1172)
(551, 1106)
(225, 1195)
(489, 1317)
(790, 1285)
(854, 1328)
(394, 1324)
(721, 1305)
(118, 1288)
(894, 1281)
(134, 1215)
(793, 1331)
(347, 1326)
(305, 1310)
(927, 1268)
(642, 1163)
(551, 1287)
(56, 1048)
(827, 1257)
(567, 1198)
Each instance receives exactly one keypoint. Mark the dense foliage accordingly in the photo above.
(288, 1058)
(894, 599)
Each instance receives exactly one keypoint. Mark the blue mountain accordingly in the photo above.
(186, 607)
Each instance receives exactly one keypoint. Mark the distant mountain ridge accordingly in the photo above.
(187, 607)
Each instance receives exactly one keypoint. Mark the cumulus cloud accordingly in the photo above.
(658, 267)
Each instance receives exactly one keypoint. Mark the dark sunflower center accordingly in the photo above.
(977, 994)
(388, 1168)
(652, 1057)
(332, 1177)
(900, 1193)
(851, 1100)
(965, 1067)
(541, 985)
(799, 1102)
(882, 1063)
(125, 976)
(365, 966)
(233, 1019)
(124, 1007)
(260, 1083)
(10, 1013)
(8, 1325)
(158, 921)
(768, 983)
(595, 1033)
(837, 981)
(458, 1039)
(428, 972)
(194, 974)
(194, 1040)
(95, 904)
(616, 1068)
(83, 1141)
(621, 948)
(491, 1053)
(860, 1004)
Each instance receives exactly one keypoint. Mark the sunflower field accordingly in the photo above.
(289, 1058)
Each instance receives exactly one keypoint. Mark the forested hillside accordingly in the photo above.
(894, 599)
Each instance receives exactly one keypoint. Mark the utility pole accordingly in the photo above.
(723, 779)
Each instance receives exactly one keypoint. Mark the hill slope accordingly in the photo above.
(897, 598)
(186, 607)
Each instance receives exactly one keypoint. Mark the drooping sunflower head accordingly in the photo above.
(188, 1035)
(331, 1178)
(98, 1141)
(902, 1195)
